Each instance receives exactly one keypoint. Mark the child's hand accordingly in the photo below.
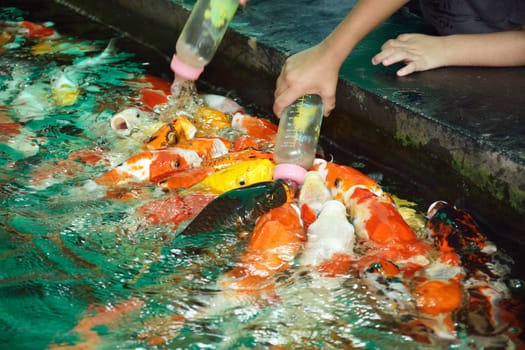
(308, 72)
(420, 52)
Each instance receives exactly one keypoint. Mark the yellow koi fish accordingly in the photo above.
(239, 175)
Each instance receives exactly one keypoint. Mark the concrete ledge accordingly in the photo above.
(459, 133)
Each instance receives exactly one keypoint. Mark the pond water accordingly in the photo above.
(82, 265)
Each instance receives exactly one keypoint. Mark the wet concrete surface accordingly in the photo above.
(458, 132)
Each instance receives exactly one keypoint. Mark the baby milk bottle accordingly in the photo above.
(201, 36)
(297, 137)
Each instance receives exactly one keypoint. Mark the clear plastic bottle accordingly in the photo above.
(297, 138)
(201, 36)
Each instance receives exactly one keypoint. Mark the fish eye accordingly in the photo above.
(172, 137)
(175, 164)
(242, 182)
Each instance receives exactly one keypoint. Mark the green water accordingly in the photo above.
(66, 248)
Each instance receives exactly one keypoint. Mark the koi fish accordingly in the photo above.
(175, 208)
(222, 103)
(393, 253)
(314, 193)
(154, 92)
(64, 89)
(170, 134)
(157, 165)
(47, 174)
(65, 83)
(455, 231)
(133, 120)
(330, 245)
(18, 138)
(37, 31)
(34, 101)
(210, 121)
(276, 239)
(239, 208)
(102, 316)
(343, 179)
(55, 45)
(228, 179)
(235, 157)
(238, 175)
(150, 167)
(259, 128)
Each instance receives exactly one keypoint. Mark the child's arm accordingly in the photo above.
(423, 52)
(316, 69)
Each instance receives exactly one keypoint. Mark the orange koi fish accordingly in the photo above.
(47, 174)
(154, 91)
(276, 240)
(187, 178)
(102, 316)
(209, 121)
(259, 128)
(37, 31)
(244, 142)
(174, 208)
(235, 157)
(170, 134)
(394, 252)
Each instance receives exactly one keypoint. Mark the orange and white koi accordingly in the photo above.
(312, 196)
(393, 253)
(343, 179)
(260, 128)
(18, 137)
(157, 165)
(47, 174)
(150, 167)
(330, 244)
